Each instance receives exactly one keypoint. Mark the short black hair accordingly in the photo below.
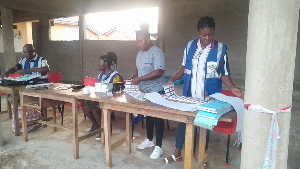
(29, 47)
(110, 58)
(206, 22)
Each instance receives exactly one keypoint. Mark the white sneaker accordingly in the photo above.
(98, 137)
(156, 153)
(146, 144)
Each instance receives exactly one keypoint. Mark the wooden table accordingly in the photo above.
(125, 103)
(13, 91)
(28, 97)
(120, 102)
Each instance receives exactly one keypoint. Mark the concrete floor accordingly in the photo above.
(51, 150)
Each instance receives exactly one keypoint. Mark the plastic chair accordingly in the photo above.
(54, 77)
(88, 81)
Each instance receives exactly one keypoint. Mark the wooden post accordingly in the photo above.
(271, 51)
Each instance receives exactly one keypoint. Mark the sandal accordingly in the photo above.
(174, 159)
(93, 128)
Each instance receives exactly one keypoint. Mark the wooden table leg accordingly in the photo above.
(8, 107)
(189, 138)
(202, 156)
(1, 134)
(106, 115)
(128, 132)
(54, 118)
(75, 129)
(102, 126)
(16, 115)
(24, 120)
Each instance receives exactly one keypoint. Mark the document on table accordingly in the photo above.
(158, 99)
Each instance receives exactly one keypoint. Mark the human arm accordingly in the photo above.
(228, 82)
(135, 74)
(155, 74)
(9, 71)
(44, 69)
(177, 75)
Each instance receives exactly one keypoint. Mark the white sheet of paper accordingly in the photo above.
(158, 99)
(238, 105)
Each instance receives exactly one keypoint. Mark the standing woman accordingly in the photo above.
(204, 67)
(90, 108)
(149, 74)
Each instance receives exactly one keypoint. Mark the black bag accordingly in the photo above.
(6, 82)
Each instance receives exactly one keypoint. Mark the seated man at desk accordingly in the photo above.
(31, 63)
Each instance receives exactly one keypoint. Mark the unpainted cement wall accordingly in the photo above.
(179, 22)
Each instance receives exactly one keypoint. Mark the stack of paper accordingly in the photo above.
(216, 106)
(133, 90)
(209, 113)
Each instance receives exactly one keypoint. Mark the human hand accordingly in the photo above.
(135, 80)
(23, 71)
(238, 92)
(4, 75)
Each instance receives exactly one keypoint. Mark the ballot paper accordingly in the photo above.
(21, 78)
(158, 99)
(171, 95)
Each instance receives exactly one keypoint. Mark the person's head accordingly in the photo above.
(143, 37)
(107, 61)
(206, 30)
(28, 51)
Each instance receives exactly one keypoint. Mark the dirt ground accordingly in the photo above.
(51, 150)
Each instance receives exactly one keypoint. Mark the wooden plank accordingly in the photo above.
(48, 123)
(170, 115)
(202, 156)
(75, 129)
(4, 112)
(128, 132)
(106, 114)
(54, 118)
(8, 104)
(118, 143)
(24, 121)
(188, 146)
(32, 106)
(203, 164)
(29, 100)
(89, 134)
(16, 115)
(102, 126)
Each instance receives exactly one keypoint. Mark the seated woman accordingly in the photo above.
(91, 109)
